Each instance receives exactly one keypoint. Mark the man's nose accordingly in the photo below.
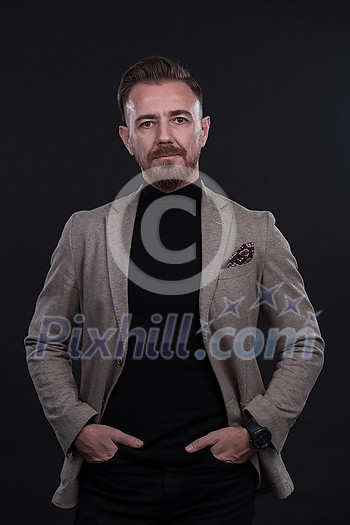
(164, 133)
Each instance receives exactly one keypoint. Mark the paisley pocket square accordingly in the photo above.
(243, 255)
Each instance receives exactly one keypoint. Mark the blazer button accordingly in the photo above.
(119, 360)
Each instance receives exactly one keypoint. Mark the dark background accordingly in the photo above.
(276, 78)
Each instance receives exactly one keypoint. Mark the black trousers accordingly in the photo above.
(210, 492)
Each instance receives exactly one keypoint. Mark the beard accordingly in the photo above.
(168, 176)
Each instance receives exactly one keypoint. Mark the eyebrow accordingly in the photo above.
(174, 113)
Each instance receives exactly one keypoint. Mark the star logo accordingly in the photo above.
(313, 316)
(204, 326)
(231, 307)
(292, 305)
(266, 296)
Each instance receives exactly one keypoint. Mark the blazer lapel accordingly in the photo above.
(119, 230)
(218, 228)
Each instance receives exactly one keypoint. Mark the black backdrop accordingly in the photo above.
(276, 77)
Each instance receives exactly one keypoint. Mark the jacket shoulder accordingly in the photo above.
(86, 219)
(92, 215)
(247, 216)
(247, 213)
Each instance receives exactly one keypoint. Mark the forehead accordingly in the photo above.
(167, 96)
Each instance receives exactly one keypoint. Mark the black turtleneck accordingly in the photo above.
(167, 394)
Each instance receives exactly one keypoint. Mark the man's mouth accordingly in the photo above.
(167, 155)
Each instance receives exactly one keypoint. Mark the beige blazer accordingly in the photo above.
(88, 274)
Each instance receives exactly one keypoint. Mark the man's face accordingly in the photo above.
(165, 132)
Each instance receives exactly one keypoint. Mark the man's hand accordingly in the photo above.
(98, 443)
(230, 444)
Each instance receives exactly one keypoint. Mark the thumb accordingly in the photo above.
(126, 439)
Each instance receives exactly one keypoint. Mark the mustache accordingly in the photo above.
(165, 151)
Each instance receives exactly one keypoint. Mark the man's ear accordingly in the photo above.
(205, 130)
(125, 136)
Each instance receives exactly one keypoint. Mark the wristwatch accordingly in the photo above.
(260, 437)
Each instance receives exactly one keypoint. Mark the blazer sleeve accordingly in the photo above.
(298, 346)
(46, 344)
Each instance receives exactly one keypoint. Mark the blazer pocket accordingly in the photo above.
(235, 271)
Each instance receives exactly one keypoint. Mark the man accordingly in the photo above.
(158, 294)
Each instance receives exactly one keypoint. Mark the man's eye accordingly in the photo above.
(180, 120)
(146, 124)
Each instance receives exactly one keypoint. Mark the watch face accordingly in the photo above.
(261, 438)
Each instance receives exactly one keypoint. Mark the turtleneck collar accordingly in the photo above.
(193, 190)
